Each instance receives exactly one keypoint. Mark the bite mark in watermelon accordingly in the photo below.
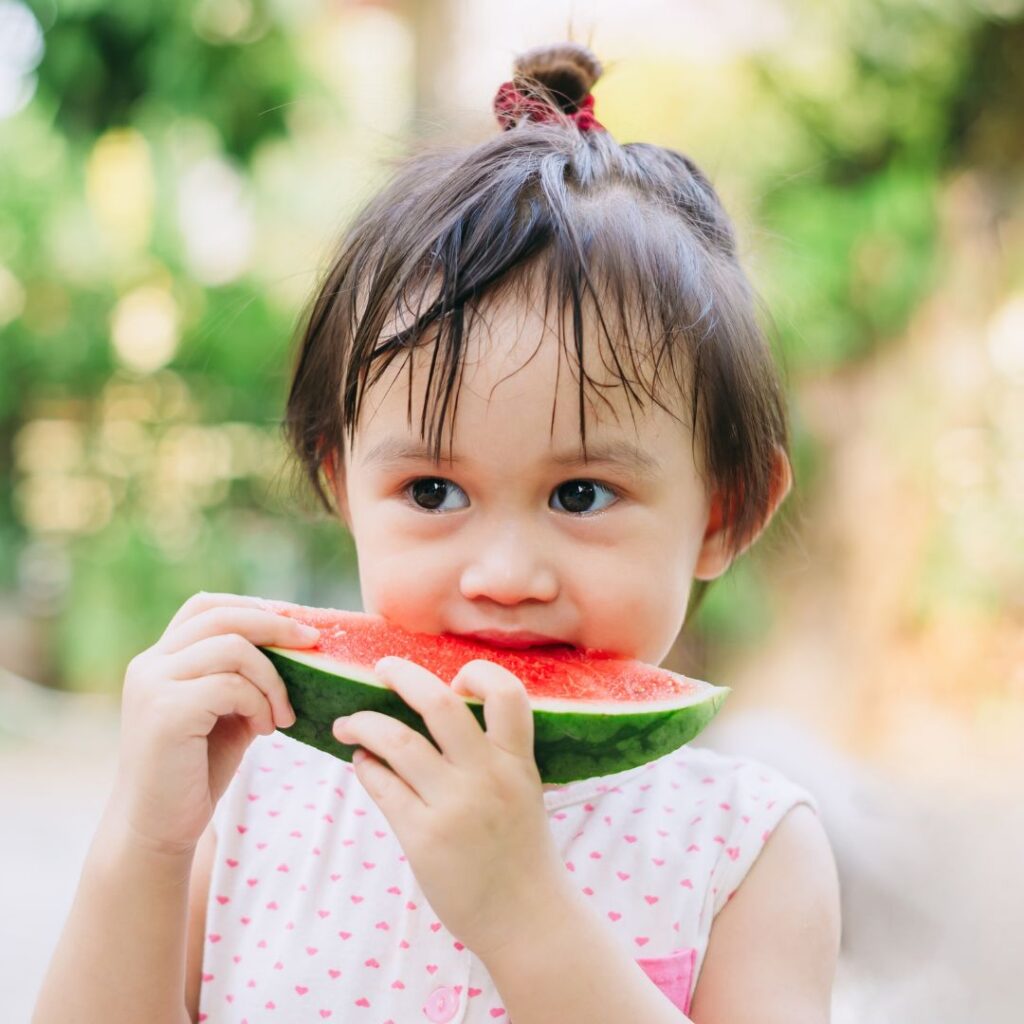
(593, 713)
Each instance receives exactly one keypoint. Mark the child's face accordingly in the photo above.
(599, 555)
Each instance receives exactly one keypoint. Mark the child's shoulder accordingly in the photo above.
(746, 777)
(744, 802)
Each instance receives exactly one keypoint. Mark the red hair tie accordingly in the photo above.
(510, 105)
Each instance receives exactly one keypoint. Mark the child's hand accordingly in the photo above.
(192, 703)
(471, 818)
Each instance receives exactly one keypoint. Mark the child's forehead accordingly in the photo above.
(512, 339)
(519, 378)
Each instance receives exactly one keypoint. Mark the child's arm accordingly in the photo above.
(195, 939)
(774, 945)
(570, 967)
(121, 956)
(771, 958)
(191, 706)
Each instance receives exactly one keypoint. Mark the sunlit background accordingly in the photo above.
(172, 180)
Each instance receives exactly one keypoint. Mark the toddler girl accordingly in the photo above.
(534, 388)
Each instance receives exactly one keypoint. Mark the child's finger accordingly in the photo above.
(451, 723)
(231, 693)
(397, 802)
(202, 601)
(507, 712)
(259, 627)
(410, 755)
(233, 653)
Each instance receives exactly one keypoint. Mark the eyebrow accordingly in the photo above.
(393, 450)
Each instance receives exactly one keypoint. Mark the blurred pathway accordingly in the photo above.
(58, 754)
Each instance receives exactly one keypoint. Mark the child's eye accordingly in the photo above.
(428, 493)
(577, 496)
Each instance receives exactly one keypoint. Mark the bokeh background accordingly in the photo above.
(172, 180)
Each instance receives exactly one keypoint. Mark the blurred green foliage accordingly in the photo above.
(130, 99)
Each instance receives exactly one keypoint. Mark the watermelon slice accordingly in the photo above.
(593, 713)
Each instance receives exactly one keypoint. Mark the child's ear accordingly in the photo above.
(714, 557)
(335, 474)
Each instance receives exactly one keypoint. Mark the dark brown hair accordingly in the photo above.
(634, 229)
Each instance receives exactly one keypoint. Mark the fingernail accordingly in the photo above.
(310, 631)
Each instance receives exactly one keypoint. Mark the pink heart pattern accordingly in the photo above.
(302, 897)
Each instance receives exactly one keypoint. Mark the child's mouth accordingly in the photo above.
(518, 640)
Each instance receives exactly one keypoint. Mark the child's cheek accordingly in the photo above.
(405, 592)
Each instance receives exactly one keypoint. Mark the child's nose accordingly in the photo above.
(509, 567)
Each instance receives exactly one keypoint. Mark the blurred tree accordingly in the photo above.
(117, 62)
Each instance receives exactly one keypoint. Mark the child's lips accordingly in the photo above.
(518, 640)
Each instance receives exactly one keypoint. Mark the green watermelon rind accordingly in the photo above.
(572, 739)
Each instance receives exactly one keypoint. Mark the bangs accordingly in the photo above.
(620, 271)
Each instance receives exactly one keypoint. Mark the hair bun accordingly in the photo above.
(567, 71)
